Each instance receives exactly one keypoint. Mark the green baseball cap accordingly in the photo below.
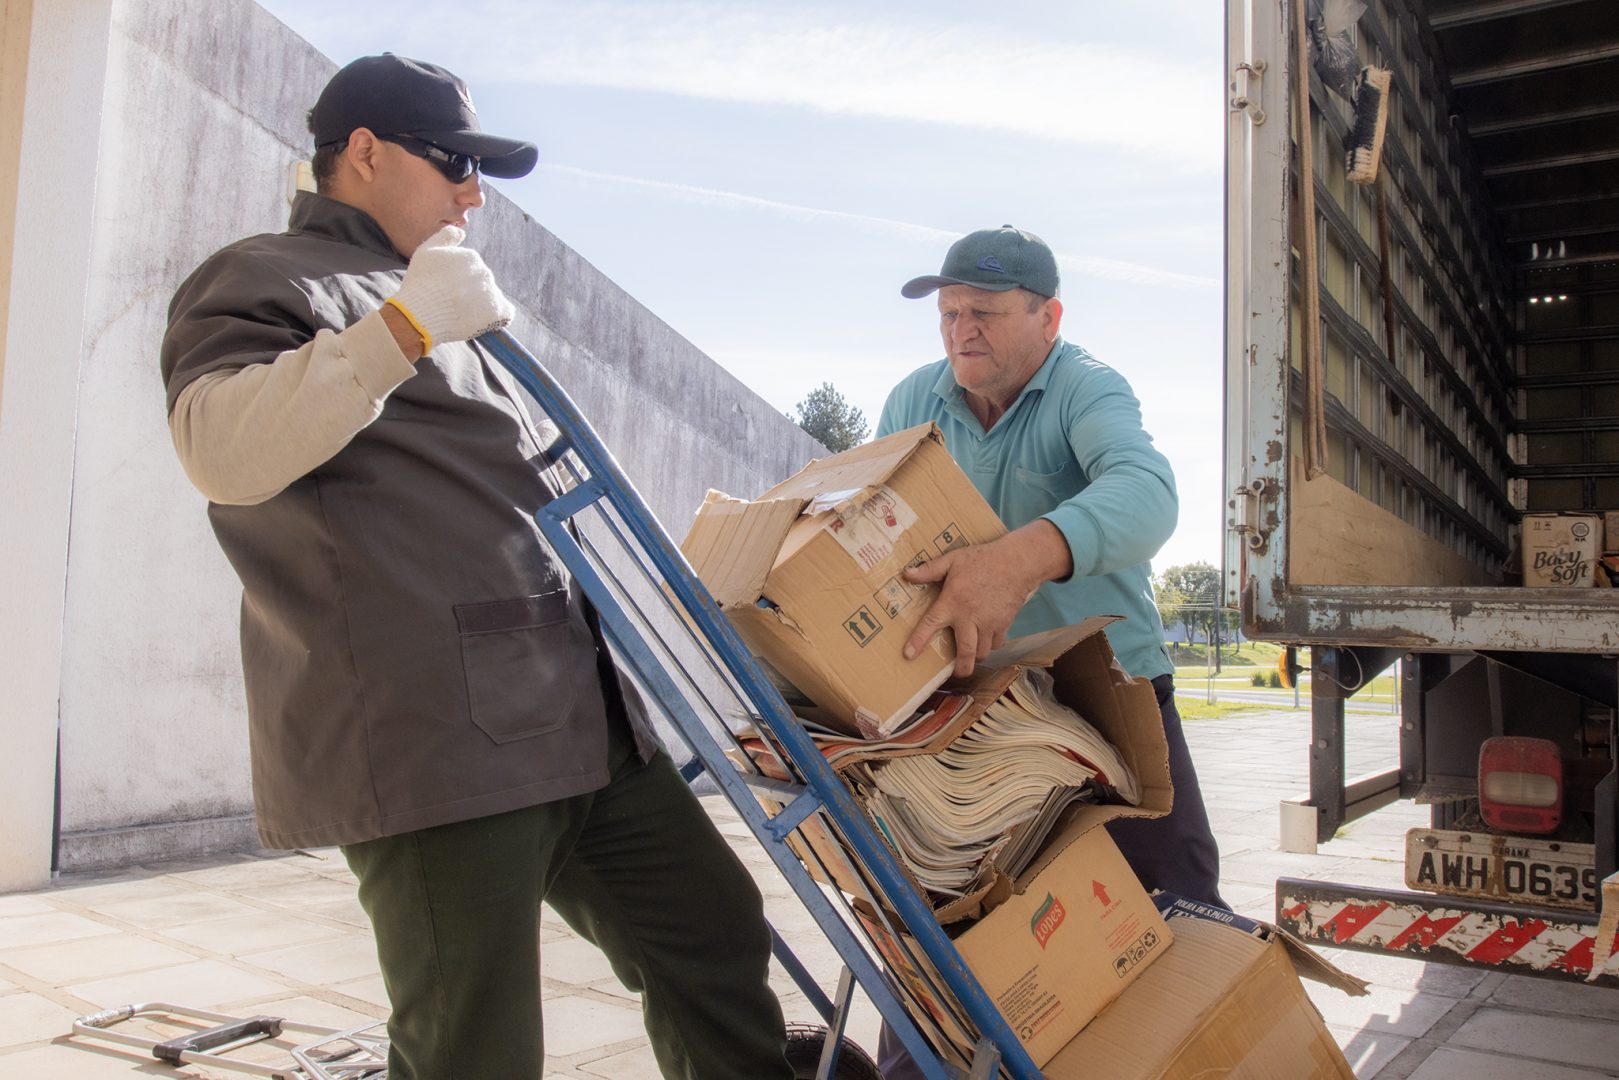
(993, 259)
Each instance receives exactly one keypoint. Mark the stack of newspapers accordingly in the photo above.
(987, 800)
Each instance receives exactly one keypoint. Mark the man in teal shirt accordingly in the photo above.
(1053, 439)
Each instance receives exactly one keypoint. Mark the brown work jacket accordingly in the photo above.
(414, 652)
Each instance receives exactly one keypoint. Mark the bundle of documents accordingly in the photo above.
(987, 800)
(929, 730)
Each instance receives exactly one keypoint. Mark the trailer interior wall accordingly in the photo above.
(1456, 395)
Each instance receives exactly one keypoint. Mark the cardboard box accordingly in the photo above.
(1053, 956)
(1088, 680)
(810, 572)
(1559, 550)
(1610, 533)
(1218, 1002)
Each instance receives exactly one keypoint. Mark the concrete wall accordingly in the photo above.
(201, 115)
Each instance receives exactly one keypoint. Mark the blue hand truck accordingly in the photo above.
(671, 636)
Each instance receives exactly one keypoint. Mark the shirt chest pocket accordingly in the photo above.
(1045, 489)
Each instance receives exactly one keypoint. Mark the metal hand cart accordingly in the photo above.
(669, 634)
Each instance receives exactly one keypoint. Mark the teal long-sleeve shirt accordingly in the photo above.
(1072, 450)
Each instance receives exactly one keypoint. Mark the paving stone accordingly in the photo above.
(1564, 1040)
(1366, 1050)
(574, 960)
(1264, 867)
(251, 933)
(347, 911)
(20, 931)
(201, 984)
(1383, 1008)
(113, 890)
(24, 904)
(367, 991)
(93, 957)
(575, 1024)
(155, 913)
(27, 1018)
(337, 960)
(304, 891)
(311, 1010)
(239, 871)
(83, 1059)
(628, 1065)
(1408, 973)
(1449, 1063)
(1558, 998)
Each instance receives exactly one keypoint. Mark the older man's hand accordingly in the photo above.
(984, 587)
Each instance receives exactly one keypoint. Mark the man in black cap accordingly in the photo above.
(427, 688)
(1053, 440)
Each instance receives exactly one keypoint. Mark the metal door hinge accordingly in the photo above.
(1247, 83)
(1249, 516)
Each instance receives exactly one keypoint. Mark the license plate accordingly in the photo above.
(1513, 869)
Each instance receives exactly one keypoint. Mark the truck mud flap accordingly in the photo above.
(1514, 939)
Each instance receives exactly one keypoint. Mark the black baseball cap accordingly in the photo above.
(996, 260)
(394, 95)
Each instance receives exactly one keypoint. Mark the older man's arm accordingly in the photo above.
(1124, 515)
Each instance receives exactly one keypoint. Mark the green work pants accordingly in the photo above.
(636, 868)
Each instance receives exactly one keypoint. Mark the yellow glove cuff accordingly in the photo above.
(427, 339)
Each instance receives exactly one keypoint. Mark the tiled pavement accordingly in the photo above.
(284, 935)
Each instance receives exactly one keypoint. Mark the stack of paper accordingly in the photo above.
(991, 796)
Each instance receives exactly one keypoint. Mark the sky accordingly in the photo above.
(764, 175)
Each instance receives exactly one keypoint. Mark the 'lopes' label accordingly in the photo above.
(1047, 919)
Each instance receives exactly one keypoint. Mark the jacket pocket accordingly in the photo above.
(519, 660)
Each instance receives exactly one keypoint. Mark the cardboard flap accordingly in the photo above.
(1317, 968)
(854, 470)
(1306, 961)
(1042, 649)
(733, 543)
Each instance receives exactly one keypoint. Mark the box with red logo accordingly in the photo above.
(1055, 954)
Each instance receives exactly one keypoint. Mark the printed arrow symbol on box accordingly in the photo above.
(1100, 892)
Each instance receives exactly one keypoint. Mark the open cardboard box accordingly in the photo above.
(1219, 1002)
(1050, 957)
(1079, 889)
(810, 572)
(1088, 680)
(1223, 1000)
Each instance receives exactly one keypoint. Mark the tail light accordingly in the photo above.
(1520, 784)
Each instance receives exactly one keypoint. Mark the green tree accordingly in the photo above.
(1198, 585)
(826, 416)
(1171, 602)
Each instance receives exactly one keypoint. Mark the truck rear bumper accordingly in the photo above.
(1515, 939)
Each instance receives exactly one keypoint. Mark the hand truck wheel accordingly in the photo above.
(805, 1043)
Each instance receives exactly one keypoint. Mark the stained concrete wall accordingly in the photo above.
(200, 118)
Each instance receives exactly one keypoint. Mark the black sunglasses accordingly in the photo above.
(455, 167)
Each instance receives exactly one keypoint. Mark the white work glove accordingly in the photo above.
(448, 293)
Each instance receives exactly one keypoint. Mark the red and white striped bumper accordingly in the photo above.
(1527, 941)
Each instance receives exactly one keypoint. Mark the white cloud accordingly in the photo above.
(1085, 265)
(1002, 77)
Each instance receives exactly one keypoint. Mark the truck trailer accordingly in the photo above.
(1422, 379)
